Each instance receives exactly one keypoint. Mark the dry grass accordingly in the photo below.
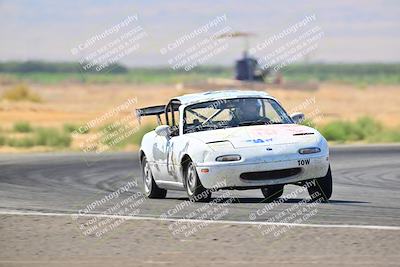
(78, 104)
(344, 102)
(21, 92)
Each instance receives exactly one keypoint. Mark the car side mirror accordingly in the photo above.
(298, 117)
(163, 130)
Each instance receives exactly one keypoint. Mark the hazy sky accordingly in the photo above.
(354, 31)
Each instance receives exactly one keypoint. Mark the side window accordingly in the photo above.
(176, 118)
(270, 112)
(173, 117)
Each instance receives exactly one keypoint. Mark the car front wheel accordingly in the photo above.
(150, 188)
(194, 188)
(321, 188)
(272, 192)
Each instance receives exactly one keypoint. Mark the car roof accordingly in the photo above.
(216, 95)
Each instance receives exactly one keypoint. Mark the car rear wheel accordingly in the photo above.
(322, 187)
(272, 192)
(194, 188)
(150, 188)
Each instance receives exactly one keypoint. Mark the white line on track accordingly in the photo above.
(370, 227)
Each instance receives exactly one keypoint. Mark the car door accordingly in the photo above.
(172, 158)
(167, 159)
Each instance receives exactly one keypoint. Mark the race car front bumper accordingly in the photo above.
(243, 175)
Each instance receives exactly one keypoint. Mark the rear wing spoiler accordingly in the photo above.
(150, 111)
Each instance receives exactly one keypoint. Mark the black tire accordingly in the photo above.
(272, 192)
(150, 188)
(194, 188)
(322, 190)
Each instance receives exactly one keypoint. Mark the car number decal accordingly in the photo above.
(303, 162)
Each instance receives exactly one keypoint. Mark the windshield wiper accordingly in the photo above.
(205, 127)
(258, 122)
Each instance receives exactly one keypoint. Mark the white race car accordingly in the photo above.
(231, 140)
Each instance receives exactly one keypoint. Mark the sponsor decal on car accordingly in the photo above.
(259, 140)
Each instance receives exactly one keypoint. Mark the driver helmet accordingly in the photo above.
(249, 106)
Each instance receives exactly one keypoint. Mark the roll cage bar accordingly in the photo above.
(158, 110)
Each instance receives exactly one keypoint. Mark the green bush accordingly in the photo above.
(21, 142)
(111, 134)
(109, 128)
(136, 138)
(336, 131)
(364, 128)
(386, 136)
(308, 122)
(22, 127)
(2, 140)
(51, 137)
(40, 137)
(70, 128)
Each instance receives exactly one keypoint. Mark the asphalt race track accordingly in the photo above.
(366, 187)
(63, 210)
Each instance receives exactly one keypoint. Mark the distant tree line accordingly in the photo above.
(361, 72)
(343, 69)
(56, 67)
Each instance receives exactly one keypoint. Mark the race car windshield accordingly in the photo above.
(227, 113)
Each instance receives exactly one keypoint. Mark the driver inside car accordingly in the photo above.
(247, 111)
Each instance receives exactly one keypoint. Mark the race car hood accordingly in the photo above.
(259, 135)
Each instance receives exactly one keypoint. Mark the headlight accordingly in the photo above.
(309, 150)
(229, 158)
